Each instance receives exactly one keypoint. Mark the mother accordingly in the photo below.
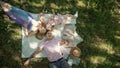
(23, 18)
(19, 16)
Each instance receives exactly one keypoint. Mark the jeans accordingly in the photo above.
(60, 63)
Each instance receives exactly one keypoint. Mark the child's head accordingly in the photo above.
(42, 18)
(75, 52)
(49, 27)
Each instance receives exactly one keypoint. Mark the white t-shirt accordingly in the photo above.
(52, 49)
(65, 50)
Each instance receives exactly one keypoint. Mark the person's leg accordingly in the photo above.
(64, 64)
(53, 65)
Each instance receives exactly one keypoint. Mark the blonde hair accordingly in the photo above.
(39, 34)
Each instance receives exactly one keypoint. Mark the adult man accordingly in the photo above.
(52, 49)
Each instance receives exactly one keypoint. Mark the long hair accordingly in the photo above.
(39, 35)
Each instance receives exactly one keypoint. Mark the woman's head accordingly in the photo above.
(6, 7)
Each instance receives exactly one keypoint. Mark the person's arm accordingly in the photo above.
(32, 56)
(66, 44)
(53, 12)
(31, 33)
(27, 34)
(35, 53)
(69, 46)
(25, 29)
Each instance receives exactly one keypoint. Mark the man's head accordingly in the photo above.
(49, 35)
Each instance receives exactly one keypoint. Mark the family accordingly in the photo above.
(43, 28)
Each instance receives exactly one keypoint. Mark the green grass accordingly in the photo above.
(98, 24)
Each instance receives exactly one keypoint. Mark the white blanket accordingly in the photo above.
(67, 30)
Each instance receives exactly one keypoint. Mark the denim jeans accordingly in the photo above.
(61, 63)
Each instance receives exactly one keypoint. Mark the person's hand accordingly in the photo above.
(27, 62)
(25, 25)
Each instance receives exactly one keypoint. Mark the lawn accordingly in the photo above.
(98, 24)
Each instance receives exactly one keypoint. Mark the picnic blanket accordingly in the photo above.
(66, 31)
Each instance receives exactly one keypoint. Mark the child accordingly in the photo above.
(38, 29)
(75, 52)
(74, 57)
(68, 49)
(70, 52)
(39, 34)
(54, 20)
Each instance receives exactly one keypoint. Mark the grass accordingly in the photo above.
(98, 24)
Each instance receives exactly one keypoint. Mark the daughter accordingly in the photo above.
(38, 29)
(71, 53)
